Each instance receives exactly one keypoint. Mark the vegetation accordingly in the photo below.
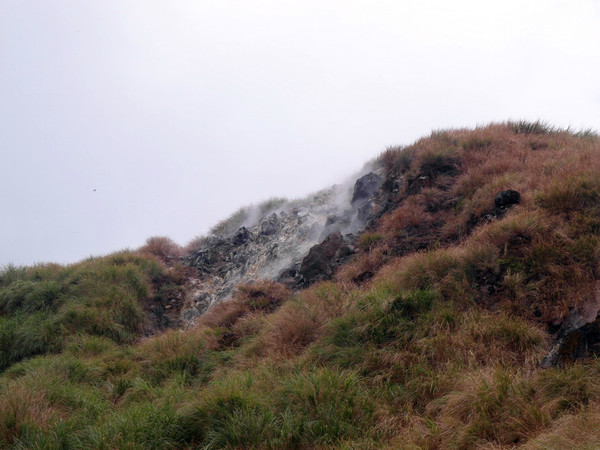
(430, 338)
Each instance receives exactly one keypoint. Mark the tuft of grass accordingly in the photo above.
(437, 162)
(368, 240)
(270, 205)
(174, 353)
(537, 127)
(327, 406)
(163, 248)
(568, 195)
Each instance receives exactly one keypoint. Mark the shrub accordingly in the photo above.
(270, 205)
(396, 160)
(176, 353)
(194, 245)
(413, 303)
(23, 410)
(22, 337)
(10, 273)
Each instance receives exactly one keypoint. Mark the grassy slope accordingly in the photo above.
(438, 349)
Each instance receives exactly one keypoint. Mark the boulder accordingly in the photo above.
(290, 278)
(323, 258)
(366, 187)
(241, 236)
(269, 225)
(507, 198)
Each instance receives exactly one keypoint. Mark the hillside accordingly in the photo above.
(446, 297)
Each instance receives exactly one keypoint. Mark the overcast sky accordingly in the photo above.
(121, 120)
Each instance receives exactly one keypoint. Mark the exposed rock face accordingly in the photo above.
(323, 258)
(241, 236)
(269, 225)
(365, 190)
(582, 342)
(366, 186)
(297, 243)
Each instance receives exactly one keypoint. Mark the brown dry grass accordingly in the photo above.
(580, 430)
(164, 248)
(262, 296)
(450, 180)
(299, 322)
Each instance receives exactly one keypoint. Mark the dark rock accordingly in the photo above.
(578, 336)
(365, 211)
(503, 201)
(241, 236)
(323, 258)
(270, 225)
(290, 278)
(366, 187)
(331, 220)
(507, 198)
(578, 343)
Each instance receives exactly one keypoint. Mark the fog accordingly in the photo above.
(121, 120)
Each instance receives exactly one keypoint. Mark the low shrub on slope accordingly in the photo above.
(431, 338)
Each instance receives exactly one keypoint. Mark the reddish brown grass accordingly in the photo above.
(242, 315)
(164, 248)
(298, 323)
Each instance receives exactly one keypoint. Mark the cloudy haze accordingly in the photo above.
(121, 120)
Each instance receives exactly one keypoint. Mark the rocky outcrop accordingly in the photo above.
(298, 243)
(324, 258)
(578, 343)
(578, 336)
(366, 187)
(241, 236)
(364, 196)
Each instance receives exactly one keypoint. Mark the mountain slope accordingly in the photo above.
(478, 265)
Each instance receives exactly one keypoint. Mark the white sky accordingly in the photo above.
(180, 112)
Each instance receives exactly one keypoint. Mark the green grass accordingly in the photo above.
(44, 306)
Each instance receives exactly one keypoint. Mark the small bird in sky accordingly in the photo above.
(94, 190)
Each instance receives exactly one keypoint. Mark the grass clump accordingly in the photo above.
(581, 193)
(164, 248)
(526, 127)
